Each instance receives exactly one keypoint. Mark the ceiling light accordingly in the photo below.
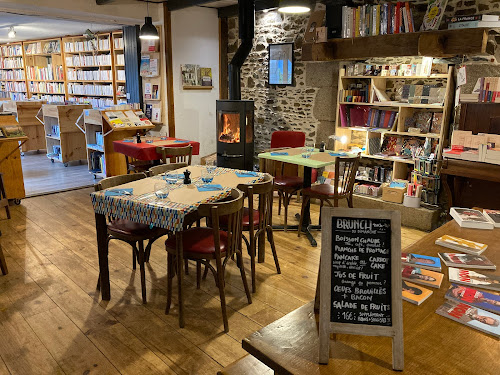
(148, 30)
(294, 6)
(12, 33)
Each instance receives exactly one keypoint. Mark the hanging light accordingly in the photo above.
(294, 6)
(148, 30)
(12, 33)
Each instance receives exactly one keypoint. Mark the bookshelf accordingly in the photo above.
(150, 71)
(26, 112)
(12, 74)
(119, 67)
(45, 73)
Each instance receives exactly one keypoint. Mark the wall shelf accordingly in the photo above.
(197, 87)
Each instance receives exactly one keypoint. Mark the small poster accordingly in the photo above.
(433, 15)
(206, 76)
(189, 74)
(154, 93)
(153, 68)
(156, 114)
(145, 62)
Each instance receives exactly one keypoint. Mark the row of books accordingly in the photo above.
(11, 62)
(104, 59)
(473, 21)
(97, 162)
(50, 98)
(36, 48)
(424, 122)
(50, 72)
(47, 87)
(469, 218)
(120, 75)
(356, 93)
(362, 116)
(367, 189)
(13, 86)
(382, 19)
(16, 96)
(87, 46)
(118, 43)
(90, 75)
(426, 68)
(11, 50)
(423, 94)
(120, 59)
(78, 89)
(94, 102)
(12, 74)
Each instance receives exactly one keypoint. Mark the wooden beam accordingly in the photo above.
(442, 43)
(181, 4)
(223, 62)
(170, 71)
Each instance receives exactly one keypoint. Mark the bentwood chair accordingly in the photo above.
(162, 168)
(345, 175)
(136, 165)
(4, 202)
(130, 232)
(176, 154)
(203, 244)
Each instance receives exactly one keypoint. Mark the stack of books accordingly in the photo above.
(473, 21)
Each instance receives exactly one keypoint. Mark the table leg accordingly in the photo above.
(180, 274)
(261, 242)
(102, 251)
(447, 189)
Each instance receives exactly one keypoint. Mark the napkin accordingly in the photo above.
(177, 176)
(128, 140)
(246, 174)
(118, 192)
(180, 141)
(278, 153)
(209, 187)
(338, 154)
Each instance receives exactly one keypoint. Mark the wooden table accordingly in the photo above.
(11, 167)
(147, 151)
(433, 344)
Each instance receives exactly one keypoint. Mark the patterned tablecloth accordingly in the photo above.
(144, 207)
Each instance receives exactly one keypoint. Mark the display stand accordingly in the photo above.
(26, 117)
(65, 142)
(101, 129)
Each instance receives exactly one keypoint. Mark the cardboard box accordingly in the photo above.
(393, 194)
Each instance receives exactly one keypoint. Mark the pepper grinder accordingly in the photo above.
(322, 147)
(187, 180)
(138, 137)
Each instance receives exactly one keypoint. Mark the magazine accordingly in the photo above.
(474, 297)
(470, 316)
(467, 261)
(189, 75)
(461, 244)
(468, 277)
(415, 293)
(423, 261)
(493, 216)
(422, 276)
(469, 218)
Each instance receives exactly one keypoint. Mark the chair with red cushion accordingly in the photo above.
(345, 175)
(203, 244)
(131, 232)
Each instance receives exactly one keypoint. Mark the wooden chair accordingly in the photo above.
(176, 154)
(130, 232)
(4, 202)
(136, 165)
(3, 263)
(342, 187)
(162, 168)
(203, 244)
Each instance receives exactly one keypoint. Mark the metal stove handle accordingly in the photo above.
(225, 155)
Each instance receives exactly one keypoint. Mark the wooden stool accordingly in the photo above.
(4, 202)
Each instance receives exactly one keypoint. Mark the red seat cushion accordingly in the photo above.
(130, 228)
(245, 220)
(321, 189)
(199, 240)
(288, 181)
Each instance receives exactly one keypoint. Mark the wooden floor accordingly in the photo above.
(53, 322)
(42, 177)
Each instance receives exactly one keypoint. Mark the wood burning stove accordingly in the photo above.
(235, 134)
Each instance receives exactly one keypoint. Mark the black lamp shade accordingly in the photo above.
(148, 30)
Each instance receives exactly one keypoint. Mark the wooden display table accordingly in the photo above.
(11, 167)
(61, 133)
(26, 113)
(432, 344)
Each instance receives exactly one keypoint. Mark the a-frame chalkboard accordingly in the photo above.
(360, 277)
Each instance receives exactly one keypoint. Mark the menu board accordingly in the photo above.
(361, 271)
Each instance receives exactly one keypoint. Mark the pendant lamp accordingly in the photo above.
(294, 6)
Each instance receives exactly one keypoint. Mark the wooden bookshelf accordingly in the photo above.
(119, 67)
(12, 75)
(26, 112)
(153, 102)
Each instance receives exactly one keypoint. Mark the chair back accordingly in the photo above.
(110, 182)
(232, 207)
(162, 168)
(264, 190)
(286, 138)
(345, 175)
(176, 154)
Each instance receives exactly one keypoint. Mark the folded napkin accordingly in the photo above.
(118, 192)
(180, 141)
(278, 153)
(246, 174)
(338, 154)
(209, 187)
(174, 175)
(128, 140)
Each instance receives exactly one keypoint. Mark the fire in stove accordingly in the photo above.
(230, 132)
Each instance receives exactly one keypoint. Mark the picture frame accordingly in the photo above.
(281, 64)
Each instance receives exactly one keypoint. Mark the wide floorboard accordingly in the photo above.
(52, 320)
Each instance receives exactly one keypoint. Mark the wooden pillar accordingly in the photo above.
(169, 70)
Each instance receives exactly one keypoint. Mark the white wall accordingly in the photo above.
(195, 40)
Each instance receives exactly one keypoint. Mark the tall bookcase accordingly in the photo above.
(119, 67)
(45, 70)
(12, 75)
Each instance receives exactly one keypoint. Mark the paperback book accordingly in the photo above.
(415, 293)
(469, 218)
(467, 261)
(422, 276)
(422, 261)
(493, 216)
(472, 278)
(471, 316)
(474, 297)
(460, 244)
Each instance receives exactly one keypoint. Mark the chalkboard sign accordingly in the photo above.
(360, 277)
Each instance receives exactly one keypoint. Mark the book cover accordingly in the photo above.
(12, 131)
(206, 76)
(473, 278)
(433, 15)
(155, 92)
(460, 244)
(144, 67)
(470, 316)
(147, 90)
(474, 297)
(466, 261)
(473, 24)
(493, 216)
(414, 293)
(423, 261)
(422, 276)
(473, 17)
(469, 218)
(437, 120)
(189, 74)
(423, 121)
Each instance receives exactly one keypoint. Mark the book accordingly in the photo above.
(147, 90)
(433, 15)
(144, 67)
(473, 24)
(11, 131)
(493, 216)
(473, 17)
(470, 316)
(460, 244)
(189, 73)
(206, 76)
(469, 218)
(474, 297)
(473, 278)
(423, 261)
(422, 276)
(467, 261)
(415, 293)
